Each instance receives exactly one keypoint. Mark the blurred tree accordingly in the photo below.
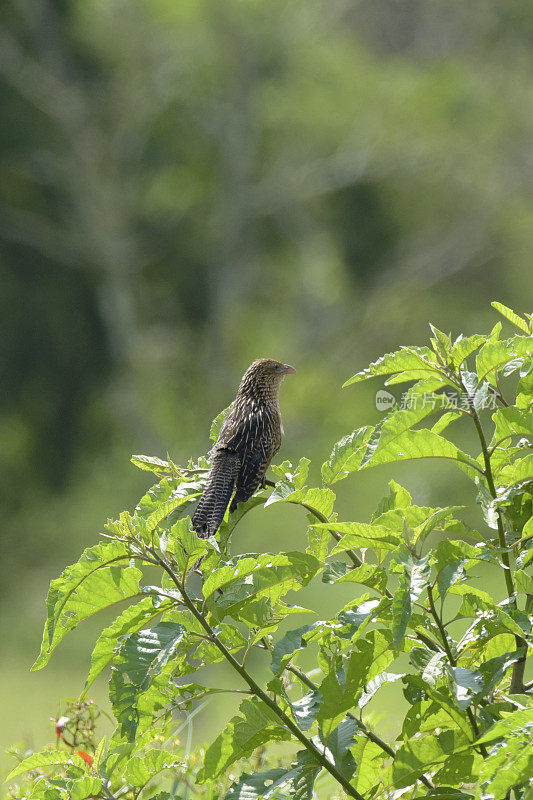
(186, 186)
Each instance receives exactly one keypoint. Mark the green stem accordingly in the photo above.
(256, 689)
(453, 662)
(357, 562)
(517, 678)
(373, 737)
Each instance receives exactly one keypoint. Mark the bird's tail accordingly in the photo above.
(218, 490)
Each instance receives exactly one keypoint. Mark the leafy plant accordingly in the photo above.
(418, 616)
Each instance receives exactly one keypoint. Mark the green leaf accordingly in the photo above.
(305, 770)
(398, 497)
(306, 709)
(292, 641)
(509, 765)
(184, 544)
(363, 534)
(251, 577)
(512, 421)
(445, 420)
(432, 522)
(256, 726)
(411, 445)
(339, 743)
(150, 463)
(94, 582)
(494, 355)
(376, 683)
(45, 760)
(393, 427)
(467, 684)
(523, 582)
(369, 758)
(407, 358)
(216, 425)
(511, 724)
(512, 316)
(294, 476)
(141, 769)
(346, 455)
(141, 658)
(84, 787)
(260, 786)
(418, 756)
(412, 583)
(475, 600)
(132, 619)
(366, 575)
(464, 347)
(321, 500)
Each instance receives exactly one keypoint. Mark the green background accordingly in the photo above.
(186, 186)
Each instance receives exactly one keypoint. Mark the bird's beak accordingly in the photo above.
(288, 368)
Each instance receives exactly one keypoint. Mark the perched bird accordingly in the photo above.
(249, 438)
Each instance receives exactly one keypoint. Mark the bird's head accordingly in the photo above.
(263, 377)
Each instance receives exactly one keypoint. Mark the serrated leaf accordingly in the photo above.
(44, 760)
(257, 725)
(512, 421)
(407, 358)
(141, 658)
(306, 708)
(494, 355)
(339, 743)
(512, 723)
(94, 582)
(366, 575)
(418, 756)
(511, 764)
(475, 600)
(512, 316)
(268, 575)
(285, 647)
(464, 347)
(394, 427)
(320, 500)
(141, 768)
(412, 583)
(363, 534)
(411, 445)
(260, 786)
(398, 497)
(369, 759)
(84, 787)
(132, 619)
(346, 455)
(305, 771)
(217, 423)
(150, 463)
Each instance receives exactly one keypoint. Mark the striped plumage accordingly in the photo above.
(249, 438)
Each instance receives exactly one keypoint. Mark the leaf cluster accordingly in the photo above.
(417, 618)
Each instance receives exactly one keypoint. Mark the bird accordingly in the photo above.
(249, 438)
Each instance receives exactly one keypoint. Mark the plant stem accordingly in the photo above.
(357, 562)
(256, 689)
(373, 737)
(517, 678)
(451, 658)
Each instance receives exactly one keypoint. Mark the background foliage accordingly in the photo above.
(186, 186)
